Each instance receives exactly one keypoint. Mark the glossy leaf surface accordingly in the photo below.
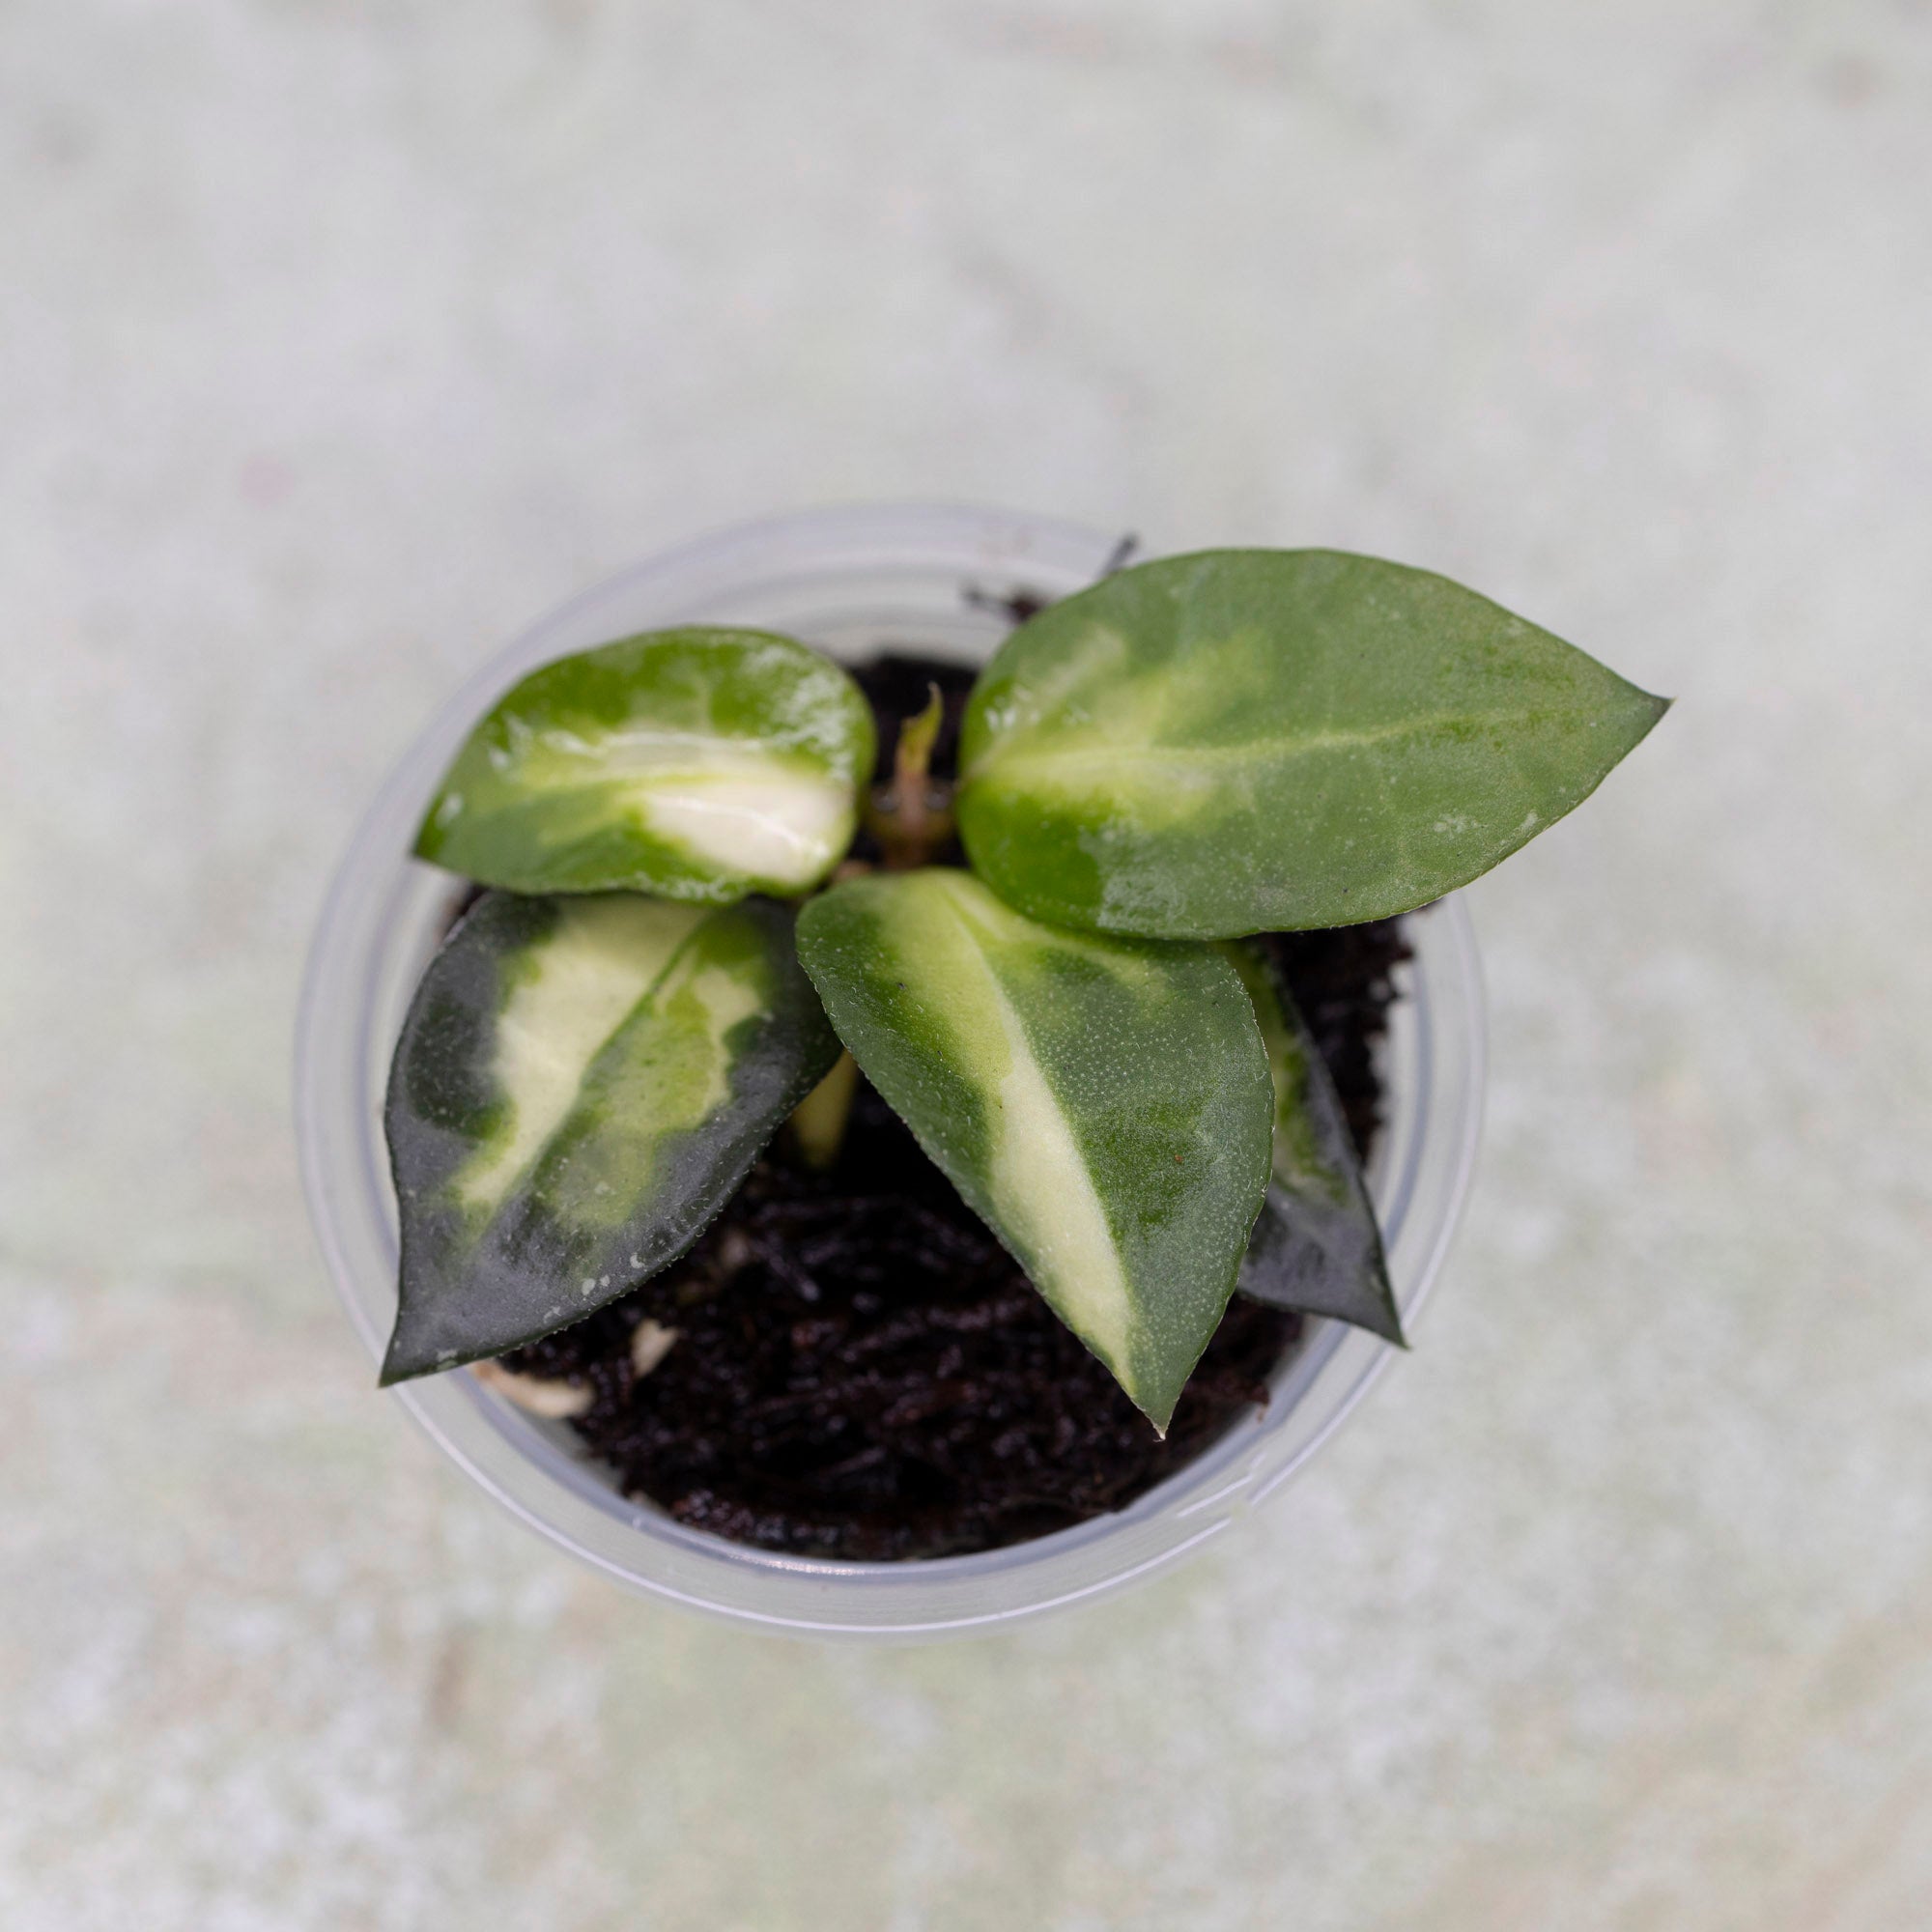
(1104, 1105)
(1249, 740)
(580, 1086)
(1316, 1246)
(696, 764)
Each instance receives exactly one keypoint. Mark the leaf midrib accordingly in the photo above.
(1019, 1045)
(1016, 751)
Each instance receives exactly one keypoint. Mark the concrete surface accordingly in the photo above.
(339, 337)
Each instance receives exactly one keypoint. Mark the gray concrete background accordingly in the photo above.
(337, 340)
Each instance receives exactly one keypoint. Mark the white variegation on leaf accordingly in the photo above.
(1104, 1105)
(581, 1085)
(1253, 741)
(699, 764)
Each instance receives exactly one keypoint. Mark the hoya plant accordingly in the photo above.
(674, 956)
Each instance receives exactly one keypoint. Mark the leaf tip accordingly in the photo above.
(427, 843)
(405, 1359)
(1158, 1404)
(397, 1367)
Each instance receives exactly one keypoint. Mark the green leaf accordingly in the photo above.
(1316, 1246)
(698, 764)
(1251, 741)
(1103, 1104)
(580, 1086)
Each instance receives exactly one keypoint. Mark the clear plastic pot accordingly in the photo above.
(848, 581)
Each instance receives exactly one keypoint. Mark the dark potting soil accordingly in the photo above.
(861, 1371)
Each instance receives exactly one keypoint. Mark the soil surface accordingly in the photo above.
(861, 1371)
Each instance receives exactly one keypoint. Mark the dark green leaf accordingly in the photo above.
(1316, 1246)
(1104, 1105)
(1249, 740)
(698, 764)
(580, 1086)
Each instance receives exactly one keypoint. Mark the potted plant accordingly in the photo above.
(679, 974)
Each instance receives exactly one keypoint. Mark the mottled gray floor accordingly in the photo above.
(338, 339)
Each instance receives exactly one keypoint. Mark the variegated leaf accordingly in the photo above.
(1105, 1106)
(1254, 741)
(697, 764)
(580, 1086)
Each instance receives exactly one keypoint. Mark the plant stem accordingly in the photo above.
(818, 1123)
